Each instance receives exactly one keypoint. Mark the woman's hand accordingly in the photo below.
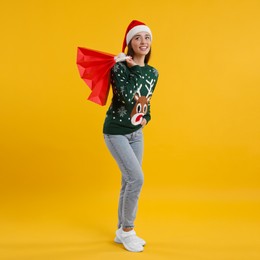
(143, 122)
(130, 62)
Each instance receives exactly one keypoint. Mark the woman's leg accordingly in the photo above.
(127, 151)
(137, 144)
(121, 202)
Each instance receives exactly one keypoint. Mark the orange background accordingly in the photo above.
(59, 185)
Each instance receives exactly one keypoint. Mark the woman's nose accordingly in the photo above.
(143, 40)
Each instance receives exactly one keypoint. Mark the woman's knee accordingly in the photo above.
(138, 180)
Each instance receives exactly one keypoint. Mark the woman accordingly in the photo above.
(133, 83)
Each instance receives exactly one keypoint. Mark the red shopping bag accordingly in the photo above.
(94, 68)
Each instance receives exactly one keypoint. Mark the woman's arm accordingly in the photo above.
(125, 81)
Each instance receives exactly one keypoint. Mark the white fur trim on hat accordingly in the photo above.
(135, 30)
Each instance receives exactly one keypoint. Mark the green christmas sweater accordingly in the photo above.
(132, 91)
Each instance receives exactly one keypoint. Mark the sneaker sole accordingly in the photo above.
(130, 250)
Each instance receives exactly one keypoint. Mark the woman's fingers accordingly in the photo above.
(130, 61)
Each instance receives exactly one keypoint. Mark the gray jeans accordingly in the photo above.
(127, 150)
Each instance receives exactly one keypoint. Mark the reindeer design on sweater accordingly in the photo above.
(142, 102)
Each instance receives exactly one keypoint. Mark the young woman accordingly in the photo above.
(133, 83)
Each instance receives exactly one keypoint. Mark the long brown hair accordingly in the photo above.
(130, 52)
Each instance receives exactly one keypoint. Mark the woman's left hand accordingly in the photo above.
(130, 62)
(144, 122)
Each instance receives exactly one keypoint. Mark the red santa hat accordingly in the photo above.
(133, 28)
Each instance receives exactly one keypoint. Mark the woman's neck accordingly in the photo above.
(139, 60)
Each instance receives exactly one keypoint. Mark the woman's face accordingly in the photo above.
(141, 43)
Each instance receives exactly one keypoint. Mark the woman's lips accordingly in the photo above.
(143, 48)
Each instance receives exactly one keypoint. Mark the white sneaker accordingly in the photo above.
(129, 240)
(138, 240)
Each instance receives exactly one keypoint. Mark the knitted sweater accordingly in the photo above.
(132, 91)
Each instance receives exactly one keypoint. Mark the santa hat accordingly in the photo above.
(133, 28)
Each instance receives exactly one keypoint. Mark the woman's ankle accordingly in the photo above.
(127, 229)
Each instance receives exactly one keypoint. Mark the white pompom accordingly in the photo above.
(120, 57)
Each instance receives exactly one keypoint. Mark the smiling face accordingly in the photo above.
(141, 43)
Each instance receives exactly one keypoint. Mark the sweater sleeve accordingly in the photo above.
(125, 81)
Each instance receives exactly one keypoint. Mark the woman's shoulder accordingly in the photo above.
(120, 66)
